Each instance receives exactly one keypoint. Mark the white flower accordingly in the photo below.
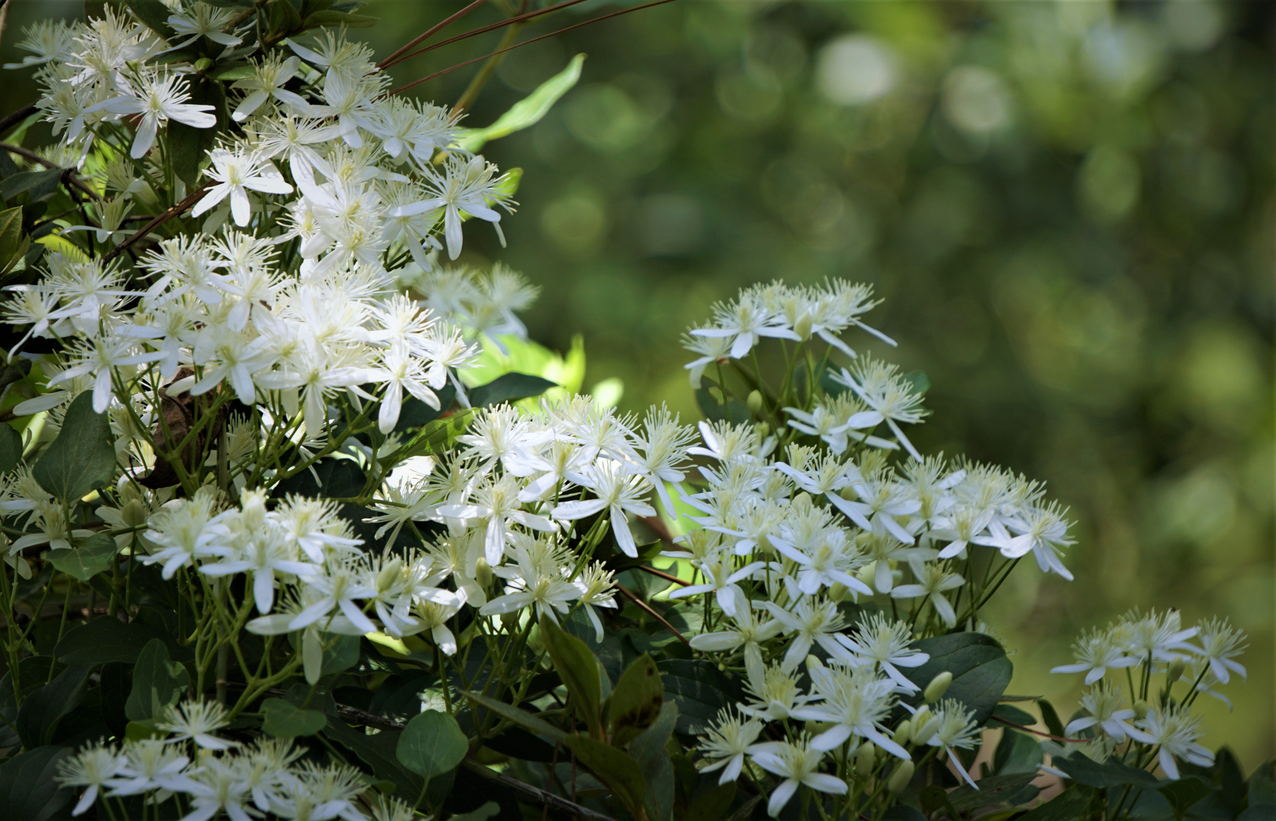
(464, 187)
(797, 763)
(196, 721)
(617, 494)
(855, 702)
(237, 172)
(1220, 643)
(885, 642)
(269, 77)
(1175, 731)
(728, 741)
(1095, 653)
(953, 726)
(92, 767)
(162, 98)
(1103, 704)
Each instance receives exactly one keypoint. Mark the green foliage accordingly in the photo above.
(979, 666)
(82, 457)
(432, 744)
(283, 719)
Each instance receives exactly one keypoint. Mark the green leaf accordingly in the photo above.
(105, 640)
(1013, 789)
(39, 184)
(94, 555)
(187, 145)
(10, 232)
(1069, 805)
(1017, 753)
(1050, 717)
(636, 700)
(435, 437)
(378, 752)
(432, 744)
(483, 813)
(657, 768)
(734, 411)
(520, 717)
(578, 669)
(713, 804)
(232, 71)
(284, 719)
(615, 768)
(527, 111)
(699, 689)
(979, 666)
(10, 448)
(154, 14)
(338, 18)
(508, 388)
(41, 711)
(157, 683)
(933, 799)
(1110, 773)
(29, 789)
(1258, 812)
(1014, 715)
(82, 457)
(1184, 793)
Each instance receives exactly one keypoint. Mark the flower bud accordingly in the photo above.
(388, 574)
(900, 778)
(803, 327)
(133, 514)
(924, 726)
(813, 663)
(1177, 667)
(903, 733)
(865, 758)
(837, 592)
(763, 430)
(1140, 709)
(754, 402)
(938, 686)
(483, 573)
(203, 64)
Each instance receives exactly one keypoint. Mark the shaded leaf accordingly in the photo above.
(1068, 805)
(40, 185)
(153, 13)
(84, 561)
(104, 640)
(510, 387)
(1017, 753)
(157, 683)
(520, 717)
(1013, 789)
(378, 752)
(28, 789)
(527, 111)
(188, 146)
(284, 719)
(432, 744)
(712, 804)
(1110, 773)
(979, 666)
(699, 689)
(636, 700)
(903, 812)
(615, 768)
(40, 712)
(82, 457)
(1014, 715)
(338, 18)
(232, 71)
(10, 448)
(1050, 717)
(578, 670)
(1185, 792)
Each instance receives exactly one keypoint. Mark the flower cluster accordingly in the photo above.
(211, 775)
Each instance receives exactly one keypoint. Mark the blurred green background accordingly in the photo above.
(1068, 207)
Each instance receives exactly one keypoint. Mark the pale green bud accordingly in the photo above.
(133, 514)
(763, 430)
(903, 733)
(837, 592)
(1177, 668)
(938, 686)
(865, 759)
(900, 778)
(1140, 709)
(203, 64)
(483, 573)
(813, 663)
(803, 327)
(754, 402)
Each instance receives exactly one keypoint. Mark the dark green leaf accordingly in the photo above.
(1258, 812)
(84, 561)
(934, 799)
(283, 17)
(154, 14)
(636, 700)
(483, 813)
(157, 683)
(1185, 792)
(104, 640)
(337, 18)
(520, 717)
(82, 457)
(918, 381)
(1017, 753)
(378, 752)
(28, 788)
(578, 670)
(1013, 715)
(657, 768)
(979, 666)
(7, 166)
(331, 478)
(734, 411)
(510, 387)
(617, 769)
(10, 448)
(699, 689)
(713, 804)
(1069, 805)
(1050, 717)
(284, 719)
(1111, 773)
(432, 744)
(903, 812)
(10, 232)
(39, 184)
(187, 145)
(41, 711)
(1262, 784)
(1013, 790)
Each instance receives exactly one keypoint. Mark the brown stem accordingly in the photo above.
(633, 598)
(14, 117)
(653, 571)
(71, 179)
(176, 210)
(526, 42)
(509, 21)
(394, 58)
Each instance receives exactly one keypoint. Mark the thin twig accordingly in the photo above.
(14, 117)
(509, 21)
(391, 60)
(34, 157)
(1027, 729)
(526, 42)
(668, 577)
(180, 208)
(633, 598)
